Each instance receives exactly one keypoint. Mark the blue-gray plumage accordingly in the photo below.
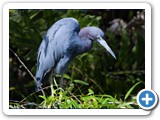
(63, 41)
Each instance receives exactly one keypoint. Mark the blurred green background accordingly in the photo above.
(96, 71)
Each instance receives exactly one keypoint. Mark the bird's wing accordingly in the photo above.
(55, 45)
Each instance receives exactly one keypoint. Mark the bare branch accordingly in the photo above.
(26, 68)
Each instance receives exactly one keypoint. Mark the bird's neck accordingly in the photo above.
(85, 45)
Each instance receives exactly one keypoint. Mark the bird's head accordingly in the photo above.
(95, 34)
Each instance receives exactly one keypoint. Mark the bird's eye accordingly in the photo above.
(98, 37)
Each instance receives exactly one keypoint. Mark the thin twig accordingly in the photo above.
(44, 88)
(23, 104)
(23, 64)
(75, 97)
(26, 68)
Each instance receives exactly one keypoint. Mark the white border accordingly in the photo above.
(8, 6)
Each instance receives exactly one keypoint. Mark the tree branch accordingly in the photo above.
(26, 68)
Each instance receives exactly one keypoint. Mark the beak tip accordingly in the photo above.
(115, 57)
(105, 45)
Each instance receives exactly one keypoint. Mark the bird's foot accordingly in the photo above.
(38, 86)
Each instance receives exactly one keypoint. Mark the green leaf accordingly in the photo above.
(81, 82)
(131, 89)
(68, 102)
(12, 88)
(41, 96)
(75, 104)
(67, 76)
(90, 92)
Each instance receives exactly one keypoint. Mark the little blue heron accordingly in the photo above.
(64, 41)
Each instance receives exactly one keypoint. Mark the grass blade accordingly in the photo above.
(131, 89)
(81, 82)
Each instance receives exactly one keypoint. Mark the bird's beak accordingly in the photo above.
(105, 45)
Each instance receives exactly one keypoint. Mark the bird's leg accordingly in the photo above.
(61, 81)
(51, 82)
(51, 77)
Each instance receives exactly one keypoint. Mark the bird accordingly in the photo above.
(63, 41)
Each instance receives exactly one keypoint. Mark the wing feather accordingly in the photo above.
(55, 45)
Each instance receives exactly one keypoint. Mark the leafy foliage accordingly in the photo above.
(94, 79)
(66, 100)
